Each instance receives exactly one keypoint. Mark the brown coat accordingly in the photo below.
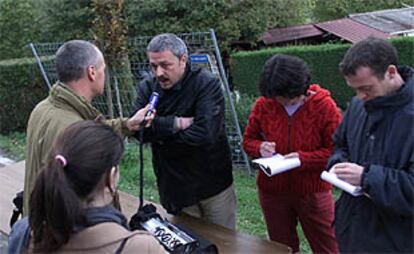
(107, 237)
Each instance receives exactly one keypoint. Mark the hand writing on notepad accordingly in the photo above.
(267, 149)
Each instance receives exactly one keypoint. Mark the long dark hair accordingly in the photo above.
(80, 162)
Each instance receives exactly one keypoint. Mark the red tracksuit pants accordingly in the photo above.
(314, 211)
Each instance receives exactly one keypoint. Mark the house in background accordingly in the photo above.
(382, 24)
(399, 22)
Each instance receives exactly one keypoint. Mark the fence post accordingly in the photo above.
(39, 63)
(227, 89)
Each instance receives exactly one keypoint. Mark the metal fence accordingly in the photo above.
(120, 94)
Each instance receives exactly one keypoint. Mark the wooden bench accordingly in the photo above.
(227, 241)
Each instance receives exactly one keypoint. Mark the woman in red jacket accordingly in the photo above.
(294, 119)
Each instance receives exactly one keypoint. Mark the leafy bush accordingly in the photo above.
(16, 27)
(405, 47)
(21, 88)
(323, 61)
(62, 20)
(233, 21)
(243, 104)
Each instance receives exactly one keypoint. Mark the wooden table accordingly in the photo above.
(227, 241)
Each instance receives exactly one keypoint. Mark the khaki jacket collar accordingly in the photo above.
(64, 97)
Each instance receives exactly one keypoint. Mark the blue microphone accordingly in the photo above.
(153, 103)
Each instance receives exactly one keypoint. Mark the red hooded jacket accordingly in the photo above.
(308, 131)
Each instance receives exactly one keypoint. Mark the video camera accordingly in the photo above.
(170, 236)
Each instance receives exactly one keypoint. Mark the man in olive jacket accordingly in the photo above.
(80, 67)
(190, 151)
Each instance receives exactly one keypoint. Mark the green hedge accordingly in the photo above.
(405, 47)
(322, 59)
(21, 88)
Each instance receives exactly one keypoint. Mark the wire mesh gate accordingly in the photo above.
(119, 95)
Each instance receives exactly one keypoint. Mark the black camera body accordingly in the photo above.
(174, 239)
(170, 236)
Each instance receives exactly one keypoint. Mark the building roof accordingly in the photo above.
(350, 30)
(394, 21)
(290, 33)
(381, 24)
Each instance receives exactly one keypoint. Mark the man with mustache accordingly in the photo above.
(191, 154)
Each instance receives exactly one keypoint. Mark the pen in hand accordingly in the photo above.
(267, 149)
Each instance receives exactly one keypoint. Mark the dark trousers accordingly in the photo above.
(314, 211)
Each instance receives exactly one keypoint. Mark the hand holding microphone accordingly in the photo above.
(149, 115)
(144, 116)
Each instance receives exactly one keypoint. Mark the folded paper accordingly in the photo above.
(276, 164)
(334, 180)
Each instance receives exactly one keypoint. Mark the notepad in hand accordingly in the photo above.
(341, 184)
(276, 164)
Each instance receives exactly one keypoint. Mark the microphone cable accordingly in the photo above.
(141, 168)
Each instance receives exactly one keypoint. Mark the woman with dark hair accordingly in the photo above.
(295, 119)
(70, 206)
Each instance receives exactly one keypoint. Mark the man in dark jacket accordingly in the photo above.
(191, 154)
(375, 150)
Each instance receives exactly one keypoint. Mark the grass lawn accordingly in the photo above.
(249, 216)
(13, 145)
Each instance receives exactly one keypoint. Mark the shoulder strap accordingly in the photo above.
(123, 242)
(121, 246)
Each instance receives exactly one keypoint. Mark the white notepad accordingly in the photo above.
(334, 180)
(276, 164)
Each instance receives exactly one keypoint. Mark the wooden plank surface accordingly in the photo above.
(227, 241)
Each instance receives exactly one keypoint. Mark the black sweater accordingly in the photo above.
(195, 163)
